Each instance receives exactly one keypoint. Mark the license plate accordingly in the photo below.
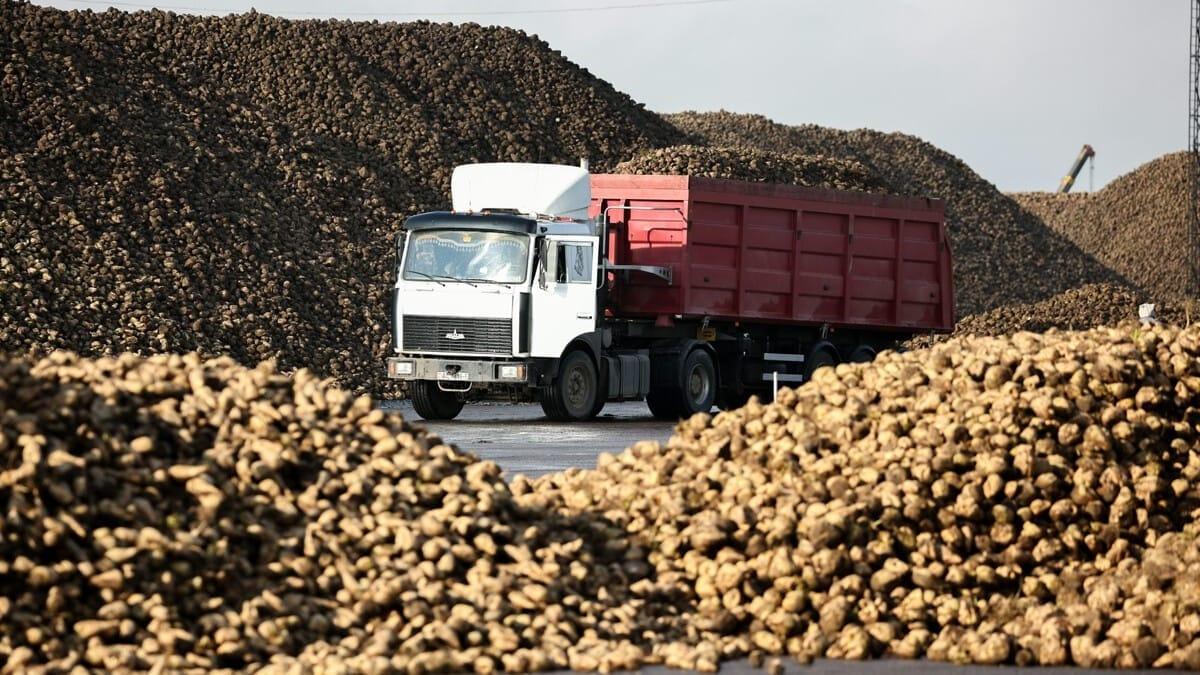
(456, 377)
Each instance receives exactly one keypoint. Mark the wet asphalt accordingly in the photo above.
(521, 440)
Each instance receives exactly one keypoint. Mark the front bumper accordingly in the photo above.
(458, 372)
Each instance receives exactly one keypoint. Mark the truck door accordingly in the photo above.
(564, 294)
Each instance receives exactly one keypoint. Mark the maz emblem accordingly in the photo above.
(455, 335)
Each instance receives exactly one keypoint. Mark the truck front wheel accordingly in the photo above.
(572, 395)
(432, 403)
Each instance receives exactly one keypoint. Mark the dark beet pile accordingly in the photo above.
(1137, 224)
(231, 185)
(752, 164)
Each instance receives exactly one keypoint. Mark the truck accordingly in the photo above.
(547, 283)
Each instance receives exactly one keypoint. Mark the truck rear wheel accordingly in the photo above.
(732, 401)
(823, 356)
(699, 383)
(572, 395)
(692, 389)
(662, 404)
(432, 403)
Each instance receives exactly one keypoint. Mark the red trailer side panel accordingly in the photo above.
(777, 253)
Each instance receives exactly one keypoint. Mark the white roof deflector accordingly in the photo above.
(546, 189)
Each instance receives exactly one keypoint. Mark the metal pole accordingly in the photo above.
(774, 386)
(1193, 224)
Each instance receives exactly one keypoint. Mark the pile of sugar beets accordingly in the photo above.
(1027, 499)
(1139, 224)
(752, 164)
(1087, 306)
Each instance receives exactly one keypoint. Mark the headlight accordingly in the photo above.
(513, 372)
(400, 368)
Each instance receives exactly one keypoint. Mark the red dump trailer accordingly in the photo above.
(759, 252)
(773, 281)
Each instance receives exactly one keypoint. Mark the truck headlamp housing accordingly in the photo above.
(401, 367)
(511, 372)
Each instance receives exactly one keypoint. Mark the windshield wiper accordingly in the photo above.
(440, 277)
(427, 275)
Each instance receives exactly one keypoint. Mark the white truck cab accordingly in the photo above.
(501, 295)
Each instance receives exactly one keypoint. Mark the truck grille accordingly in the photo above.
(480, 336)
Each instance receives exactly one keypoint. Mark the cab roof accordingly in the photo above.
(494, 222)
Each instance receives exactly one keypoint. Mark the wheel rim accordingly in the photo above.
(577, 388)
(698, 385)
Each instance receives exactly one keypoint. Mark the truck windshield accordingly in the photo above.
(468, 256)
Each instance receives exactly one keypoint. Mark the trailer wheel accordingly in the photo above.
(732, 401)
(432, 403)
(822, 356)
(572, 395)
(862, 354)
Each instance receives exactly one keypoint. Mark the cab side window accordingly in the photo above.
(574, 263)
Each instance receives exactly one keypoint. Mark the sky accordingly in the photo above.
(1014, 88)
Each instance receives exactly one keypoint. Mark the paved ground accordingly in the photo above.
(521, 440)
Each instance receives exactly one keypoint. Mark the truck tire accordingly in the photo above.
(862, 354)
(432, 403)
(732, 401)
(699, 383)
(662, 404)
(822, 356)
(572, 395)
(601, 390)
(598, 405)
(692, 388)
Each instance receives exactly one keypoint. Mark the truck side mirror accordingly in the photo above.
(561, 263)
(401, 237)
